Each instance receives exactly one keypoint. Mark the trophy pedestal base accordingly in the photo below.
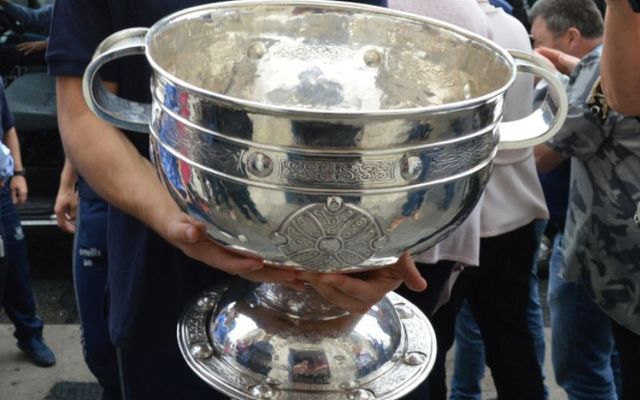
(245, 348)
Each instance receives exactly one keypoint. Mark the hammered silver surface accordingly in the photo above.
(294, 227)
(340, 123)
(331, 55)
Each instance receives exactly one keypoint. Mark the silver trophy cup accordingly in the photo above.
(326, 137)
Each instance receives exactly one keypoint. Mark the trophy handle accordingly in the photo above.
(125, 114)
(545, 121)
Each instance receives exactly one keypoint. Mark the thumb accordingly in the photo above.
(411, 275)
(185, 231)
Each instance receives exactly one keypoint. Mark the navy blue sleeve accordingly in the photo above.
(42, 18)
(6, 119)
(77, 27)
(32, 18)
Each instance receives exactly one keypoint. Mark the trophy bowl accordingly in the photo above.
(326, 137)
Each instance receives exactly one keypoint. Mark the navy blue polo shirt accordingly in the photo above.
(150, 282)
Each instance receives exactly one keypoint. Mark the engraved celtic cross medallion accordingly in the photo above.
(329, 235)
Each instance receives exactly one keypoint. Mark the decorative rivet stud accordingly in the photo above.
(415, 359)
(372, 58)
(272, 381)
(411, 167)
(256, 50)
(404, 311)
(334, 203)
(262, 391)
(360, 394)
(279, 239)
(259, 165)
(349, 385)
(201, 351)
(380, 242)
(206, 303)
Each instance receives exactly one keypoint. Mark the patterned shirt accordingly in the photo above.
(601, 240)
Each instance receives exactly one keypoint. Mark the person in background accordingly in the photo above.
(512, 336)
(620, 87)
(442, 263)
(158, 257)
(469, 365)
(81, 211)
(26, 48)
(519, 12)
(34, 20)
(6, 170)
(18, 300)
(582, 347)
(601, 243)
(621, 57)
(514, 163)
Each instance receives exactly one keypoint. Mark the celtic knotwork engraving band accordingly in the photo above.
(326, 236)
(449, 160)
(338, 172)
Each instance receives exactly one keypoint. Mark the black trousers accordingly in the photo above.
(497, 293)
(3, 263)
(628, 344)
(437, 276)
(3, 268)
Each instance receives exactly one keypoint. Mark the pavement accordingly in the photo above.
(21, 380)
(70, 379)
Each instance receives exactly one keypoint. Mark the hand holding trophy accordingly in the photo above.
(325, 138)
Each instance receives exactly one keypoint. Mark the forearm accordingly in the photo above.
(68, 176)
(109, 162)
(547, 159)
(11, 141)
(621, 58)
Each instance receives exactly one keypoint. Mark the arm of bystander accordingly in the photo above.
(621, 57)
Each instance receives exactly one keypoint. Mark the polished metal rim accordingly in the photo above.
(267, 109)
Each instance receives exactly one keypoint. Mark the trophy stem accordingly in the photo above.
(306, 304)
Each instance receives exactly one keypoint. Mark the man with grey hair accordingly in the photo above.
(594, 294)
(559, 22)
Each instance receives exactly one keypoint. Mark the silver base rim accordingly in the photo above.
(411, 368)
